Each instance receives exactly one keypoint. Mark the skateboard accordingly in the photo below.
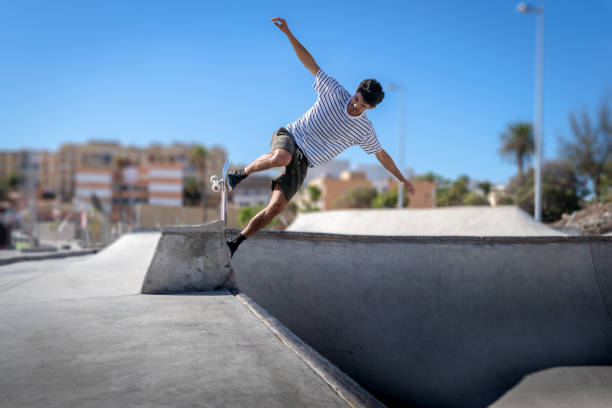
(219, 184)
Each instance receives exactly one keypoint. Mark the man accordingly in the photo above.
(334, 123)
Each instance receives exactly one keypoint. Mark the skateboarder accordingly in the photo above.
(334, 123)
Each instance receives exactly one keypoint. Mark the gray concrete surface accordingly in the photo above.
(437, 322)
(9, 256)
(117, 270)
(445, 221)
(192, 258)
(77, 333)
(562, 387)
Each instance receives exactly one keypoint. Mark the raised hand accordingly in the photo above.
(281, 24)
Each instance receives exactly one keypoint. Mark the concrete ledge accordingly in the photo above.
(190, 259)
(424, 239)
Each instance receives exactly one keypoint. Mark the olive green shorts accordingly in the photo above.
(293, 175)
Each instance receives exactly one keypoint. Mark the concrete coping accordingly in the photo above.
(424, 239)
(215, 226)
(346, 388)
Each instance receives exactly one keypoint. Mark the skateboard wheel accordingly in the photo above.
(216, 188)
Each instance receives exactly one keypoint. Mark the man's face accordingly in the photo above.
(357, 105)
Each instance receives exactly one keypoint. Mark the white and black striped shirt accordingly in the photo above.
(327, 129)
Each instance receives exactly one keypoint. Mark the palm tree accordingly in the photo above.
(517, 143)
(198, 155)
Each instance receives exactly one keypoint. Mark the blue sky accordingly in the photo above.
(222, 74)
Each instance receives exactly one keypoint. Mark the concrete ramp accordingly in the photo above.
(190, 259)
(446, 221)
(588, 387)
(117, 270)
(437, 321)
(417, 321)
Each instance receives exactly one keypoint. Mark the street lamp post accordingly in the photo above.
(539, 12)
(400, 156)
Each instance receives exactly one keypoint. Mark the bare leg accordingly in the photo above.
(277, 158)
(275, 206)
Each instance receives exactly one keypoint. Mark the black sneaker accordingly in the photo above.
(233, 246)
(235, 177)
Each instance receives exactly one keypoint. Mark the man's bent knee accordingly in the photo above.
(281, 157)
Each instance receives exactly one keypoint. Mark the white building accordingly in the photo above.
(252, 191)
(332, 168)
(165, 184)
(379, 176)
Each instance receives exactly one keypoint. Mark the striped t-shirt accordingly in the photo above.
(327, 129)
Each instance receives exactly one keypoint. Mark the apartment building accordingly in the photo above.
(12, 163)
(165, 184)
(92, 155)
(96, 182)
(57, 171)
(254, 190)
(333, 189)
(424, 196)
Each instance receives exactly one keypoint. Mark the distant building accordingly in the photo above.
(93, 155)
(130, 188)
(165, 184)
(424, 196)
(333, 189)
(56, 171)
(252, 191)
(378, 175)
(120, 190)
(94, 182)
(332, 168)
(12, 162)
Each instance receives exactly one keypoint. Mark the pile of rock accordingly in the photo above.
(594, 220)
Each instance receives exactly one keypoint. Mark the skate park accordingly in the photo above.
(77, 332)
(311, 319)
(389, 204)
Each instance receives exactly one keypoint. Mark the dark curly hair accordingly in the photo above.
(372, 92)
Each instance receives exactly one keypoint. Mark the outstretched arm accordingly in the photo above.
(386, 160)
(301, 52)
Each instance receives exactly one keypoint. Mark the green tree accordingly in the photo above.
(485, 186)
(191, 191)
(440, 181)
(590, 150)
(309, 203)
(473, 198)
(388, 199)
(197, 155)
(121, 162)
(517, 143)
(248, 212)
(9, 183)
(454, 194)
(562, 190)
(3, 189)
(358, 197)
(442, 186)
(14, 180)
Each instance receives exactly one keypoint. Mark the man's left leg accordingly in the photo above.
(284, 186)
(277, 204)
